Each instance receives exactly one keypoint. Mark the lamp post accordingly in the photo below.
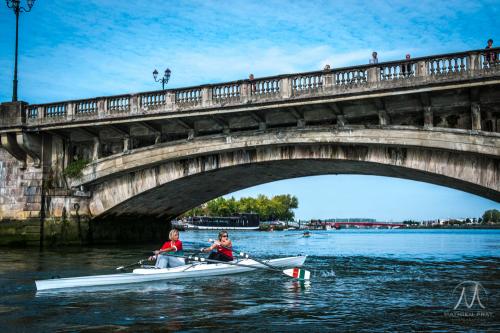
(164, 79)
(17, 8)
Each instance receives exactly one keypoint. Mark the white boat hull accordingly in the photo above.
(154, 274)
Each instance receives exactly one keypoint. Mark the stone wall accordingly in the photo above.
(20, 200)
(66, 218)
(20, 189)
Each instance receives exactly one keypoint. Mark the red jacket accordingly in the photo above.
(226, 251)
(177, 244)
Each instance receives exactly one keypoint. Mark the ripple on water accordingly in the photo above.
(361, 282)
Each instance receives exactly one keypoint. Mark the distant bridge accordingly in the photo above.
(338, 225)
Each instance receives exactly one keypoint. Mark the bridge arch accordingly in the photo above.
(164, 180)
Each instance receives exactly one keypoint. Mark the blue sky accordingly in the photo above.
(80, 49)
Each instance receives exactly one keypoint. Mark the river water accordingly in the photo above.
(362, 281)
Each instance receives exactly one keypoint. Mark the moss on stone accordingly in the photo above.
(74, 169)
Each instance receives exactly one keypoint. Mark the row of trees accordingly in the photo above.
(279, 207)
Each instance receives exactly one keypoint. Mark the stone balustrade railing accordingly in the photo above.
(265, 87)
(454, 66)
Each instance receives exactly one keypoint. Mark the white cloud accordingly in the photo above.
(67, 53)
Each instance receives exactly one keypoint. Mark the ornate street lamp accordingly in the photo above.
(164, 79)
(16, 6)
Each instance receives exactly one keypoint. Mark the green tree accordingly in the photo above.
(217, 207)
(263, 207)
(491, 215)
(282, 206)
(248, 205)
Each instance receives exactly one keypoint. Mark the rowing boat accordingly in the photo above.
(147, 274)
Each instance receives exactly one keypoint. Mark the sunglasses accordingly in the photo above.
(223, 236)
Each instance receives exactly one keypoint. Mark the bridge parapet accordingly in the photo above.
(416, 72)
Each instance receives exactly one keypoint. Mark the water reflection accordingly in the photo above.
(299, 286)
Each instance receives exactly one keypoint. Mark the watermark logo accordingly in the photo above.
(471, 302)
(470, 290)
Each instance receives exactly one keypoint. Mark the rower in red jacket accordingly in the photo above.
(223, 246)
(174, 247)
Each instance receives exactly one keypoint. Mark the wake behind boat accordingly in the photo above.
(147, 274)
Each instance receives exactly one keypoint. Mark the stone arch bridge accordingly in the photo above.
(150, 156)
(164, 180)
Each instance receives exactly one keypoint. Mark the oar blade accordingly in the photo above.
(298, 273)
(136, 263)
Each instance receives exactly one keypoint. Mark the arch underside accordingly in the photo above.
(149, 193)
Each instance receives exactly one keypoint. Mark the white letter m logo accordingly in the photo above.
(468, 288)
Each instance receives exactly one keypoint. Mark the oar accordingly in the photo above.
(140, 262)
(134, 264)
(296, 273)
(201, 244)
(248, 256)
(194, 244)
